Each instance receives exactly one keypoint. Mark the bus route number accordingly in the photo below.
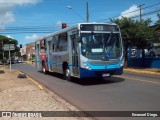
(98, 28)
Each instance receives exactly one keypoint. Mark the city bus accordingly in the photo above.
(85, 50)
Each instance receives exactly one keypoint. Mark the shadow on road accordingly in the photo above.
(96, 81)
(90, 81)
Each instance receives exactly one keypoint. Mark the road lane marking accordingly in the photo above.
(36, 83)
(140, 80)
(39, 85)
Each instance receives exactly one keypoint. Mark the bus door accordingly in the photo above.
(74, 54)
(38, 58)
(49, 51)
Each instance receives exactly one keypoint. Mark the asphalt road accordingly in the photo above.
(129, 92)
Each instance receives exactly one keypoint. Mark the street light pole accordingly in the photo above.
(69, 7)
(87, 12)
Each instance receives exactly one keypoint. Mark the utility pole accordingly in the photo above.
(9, 58)
(3, 44)
(140, 9)
(3, 52)
(87, 12)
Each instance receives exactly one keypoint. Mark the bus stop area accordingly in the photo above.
(25, 94)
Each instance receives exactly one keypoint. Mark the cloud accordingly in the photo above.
(33, 37)
(6, 7)
(9, 36)
(59, 23)
(130, 12)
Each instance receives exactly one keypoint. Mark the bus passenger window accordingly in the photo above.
(62, 45)
(53, 48)
(62, 42)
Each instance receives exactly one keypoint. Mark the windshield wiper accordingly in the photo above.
(107, 53)
(110, 36)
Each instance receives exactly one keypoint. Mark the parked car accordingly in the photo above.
(12, 61)
(154, 51)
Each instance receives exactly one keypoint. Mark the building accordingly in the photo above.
(23, 53)
(30, 51)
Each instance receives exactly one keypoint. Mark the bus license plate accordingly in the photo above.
(106, 75)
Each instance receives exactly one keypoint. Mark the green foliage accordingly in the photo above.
(7, 40)
(157, 27)
(158, 21)
(135, 33)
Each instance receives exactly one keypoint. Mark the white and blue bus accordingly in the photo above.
(85, 50)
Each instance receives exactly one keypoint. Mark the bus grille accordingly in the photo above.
(103, 62)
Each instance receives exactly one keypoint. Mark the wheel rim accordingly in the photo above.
(67, 73)
(44, 70)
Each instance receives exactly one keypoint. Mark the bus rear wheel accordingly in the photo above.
(43, 68)
(67, 74)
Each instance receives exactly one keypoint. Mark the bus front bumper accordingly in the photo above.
(85, 73)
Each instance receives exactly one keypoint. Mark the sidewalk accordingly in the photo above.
(24, 94)
(151, 71)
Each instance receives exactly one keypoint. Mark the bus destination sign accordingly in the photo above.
(98, 27)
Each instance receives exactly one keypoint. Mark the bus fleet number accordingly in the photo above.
(98, 28)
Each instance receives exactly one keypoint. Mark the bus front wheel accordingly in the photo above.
(67, 74)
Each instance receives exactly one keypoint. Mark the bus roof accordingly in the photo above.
(72, 27)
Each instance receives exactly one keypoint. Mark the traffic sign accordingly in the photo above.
(6, 47)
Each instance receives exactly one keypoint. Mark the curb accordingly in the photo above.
(4, 66)
(142, 71)
(35, 82)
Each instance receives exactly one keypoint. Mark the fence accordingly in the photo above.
(146, 62)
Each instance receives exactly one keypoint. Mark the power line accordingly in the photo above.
(130, 12)
(148, 13)
(54, 27)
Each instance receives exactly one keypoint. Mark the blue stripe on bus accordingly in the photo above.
(54, 63)
(112, 66)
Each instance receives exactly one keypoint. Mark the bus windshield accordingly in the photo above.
(101, 46)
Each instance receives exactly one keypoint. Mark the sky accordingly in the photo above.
(28, 20)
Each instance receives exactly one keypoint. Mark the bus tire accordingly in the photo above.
(67, 74)
(43, 68)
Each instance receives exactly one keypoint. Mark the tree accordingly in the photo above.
(158, 21)
(157, 27)
(134, 33)
(7, 40)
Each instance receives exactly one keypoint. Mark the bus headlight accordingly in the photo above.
(122, 63)
(86, 66)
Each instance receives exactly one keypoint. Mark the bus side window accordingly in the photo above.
(53, 47)
(62, 42)
(55, 42)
